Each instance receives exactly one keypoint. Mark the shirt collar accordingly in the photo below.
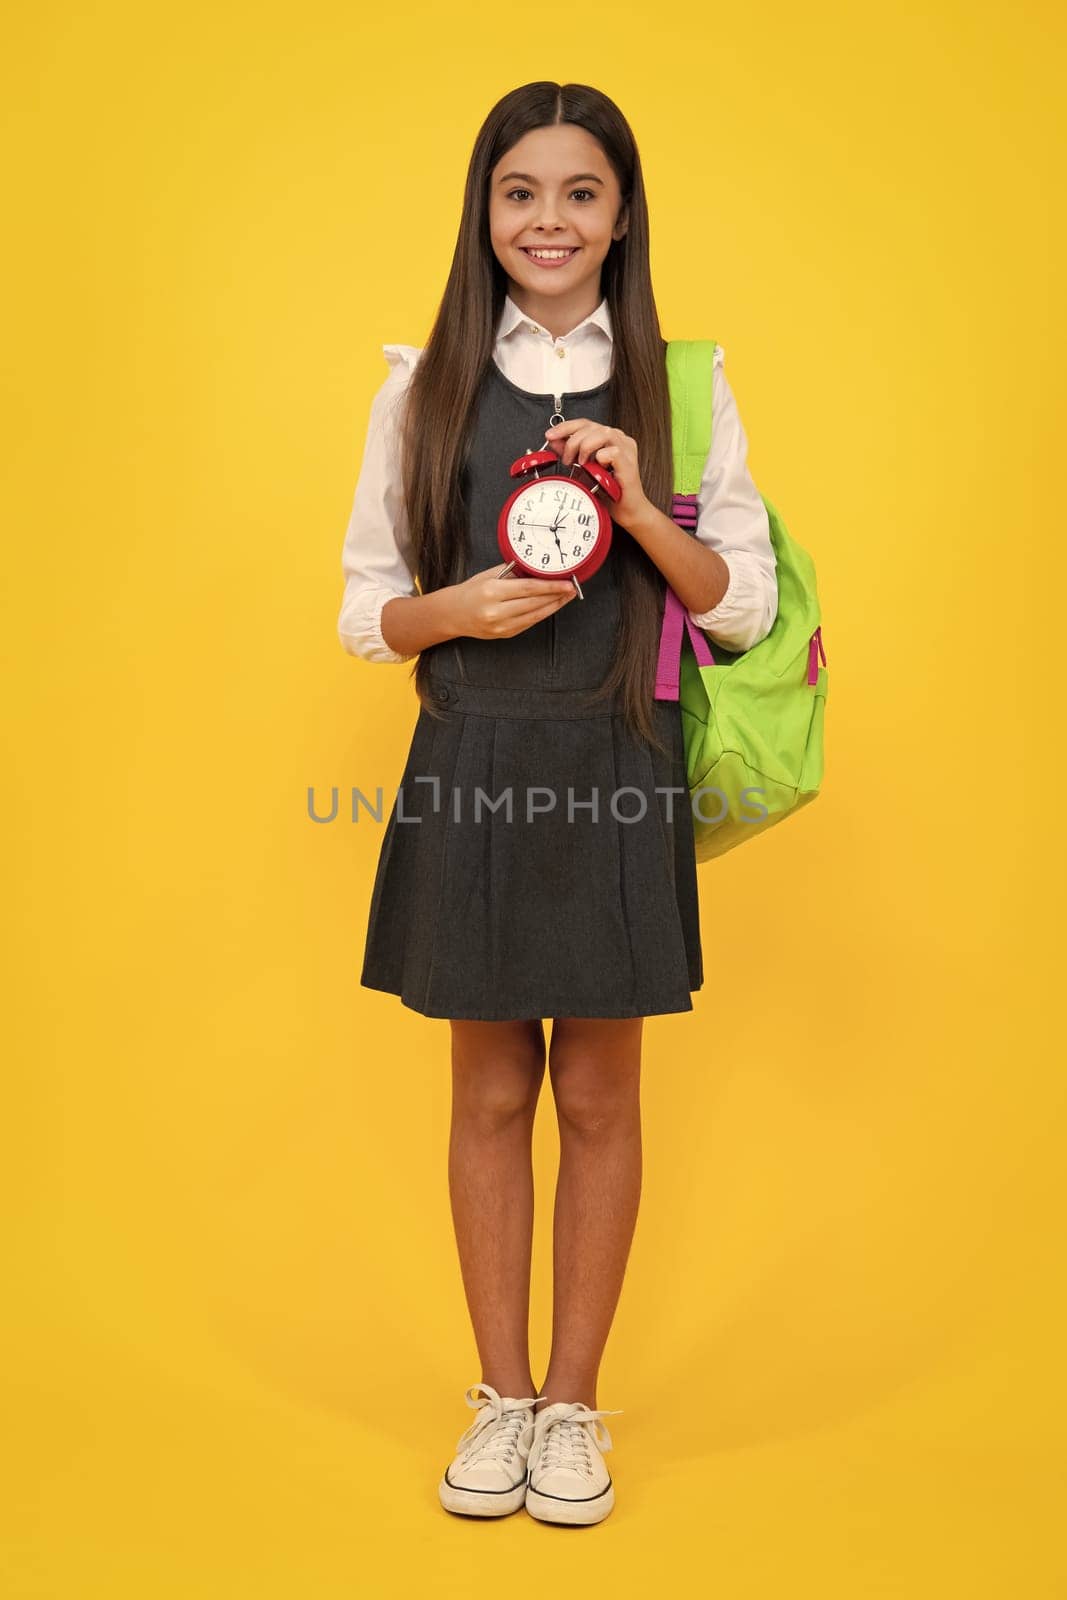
(511, 318)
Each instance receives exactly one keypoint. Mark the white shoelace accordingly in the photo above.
(498, 1425)
(564, 1441)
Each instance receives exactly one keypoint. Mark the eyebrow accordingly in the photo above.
(526, 177)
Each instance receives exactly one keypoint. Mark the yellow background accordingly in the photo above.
(236, 1338)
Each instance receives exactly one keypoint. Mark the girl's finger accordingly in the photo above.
(529, 622)
(517, 587)
(529, 608)
(535, 589)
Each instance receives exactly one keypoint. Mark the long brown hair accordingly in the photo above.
(444, 385)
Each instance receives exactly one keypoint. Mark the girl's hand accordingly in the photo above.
(580, 439)
(487, 606)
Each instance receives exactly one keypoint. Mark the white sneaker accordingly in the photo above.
(487, 1477)
(568, 1478)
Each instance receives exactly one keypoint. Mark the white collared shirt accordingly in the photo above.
(378, 560)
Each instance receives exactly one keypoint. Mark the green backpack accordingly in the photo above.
(752, 720)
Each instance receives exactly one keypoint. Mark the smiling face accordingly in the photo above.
(555, 191)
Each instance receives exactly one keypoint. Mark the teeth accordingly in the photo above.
(549, 255)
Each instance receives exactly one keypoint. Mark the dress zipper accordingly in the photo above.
(556, 417)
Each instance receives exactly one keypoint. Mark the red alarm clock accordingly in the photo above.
(556, 522)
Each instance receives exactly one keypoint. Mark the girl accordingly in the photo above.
(539, 861)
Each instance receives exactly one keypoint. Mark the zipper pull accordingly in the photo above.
(557, 416)
(815, 653)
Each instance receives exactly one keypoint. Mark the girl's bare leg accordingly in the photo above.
(497, 1071)
(595, 1067)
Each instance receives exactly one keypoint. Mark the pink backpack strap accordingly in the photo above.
(668, 667)
(684, 511)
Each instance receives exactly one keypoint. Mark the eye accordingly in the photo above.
(512, 193)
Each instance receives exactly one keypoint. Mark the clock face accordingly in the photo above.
(553, 526)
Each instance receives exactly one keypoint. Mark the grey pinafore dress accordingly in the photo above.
(578, 896)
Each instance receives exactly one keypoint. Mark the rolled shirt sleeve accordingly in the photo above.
(377, 558)
(733, 521)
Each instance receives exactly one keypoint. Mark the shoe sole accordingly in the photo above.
(572, 1513)
(481, 1502)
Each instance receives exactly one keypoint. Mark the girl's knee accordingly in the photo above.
(594, 1067)
(497, 1069)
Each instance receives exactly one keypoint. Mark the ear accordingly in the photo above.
(622, 223)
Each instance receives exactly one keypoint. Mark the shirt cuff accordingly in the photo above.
(745, 614)
(361, 631)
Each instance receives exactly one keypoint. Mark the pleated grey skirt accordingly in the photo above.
(575, 898)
